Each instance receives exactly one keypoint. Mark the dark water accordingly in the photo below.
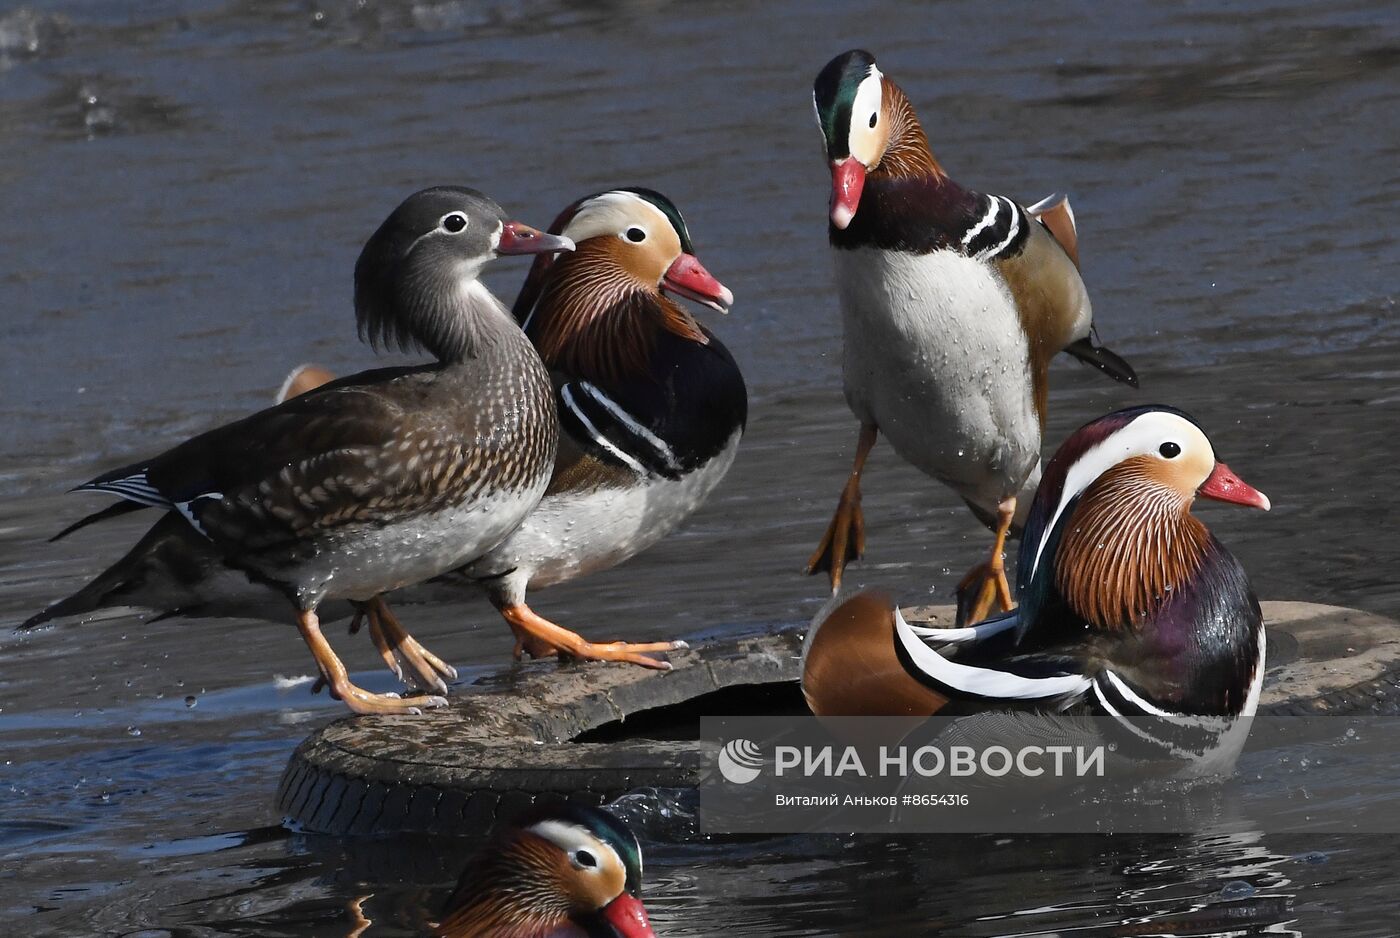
(183, 190)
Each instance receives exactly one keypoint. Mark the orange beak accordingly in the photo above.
(1222, 485)
(628, 917)
(687, 277)
(847, 181)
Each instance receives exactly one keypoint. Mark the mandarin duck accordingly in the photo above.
(651, 408)
(378, 480)
(1129, 606)
(953, 303)
(564, 871)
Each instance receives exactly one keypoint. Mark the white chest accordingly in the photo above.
(936, 358)
(573, 534)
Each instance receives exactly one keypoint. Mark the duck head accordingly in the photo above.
(596, 312)
(566, 871)
(416, 280)
(1111, 527)
(868, 125)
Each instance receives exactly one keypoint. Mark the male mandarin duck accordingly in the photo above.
(651, 408)
(1129, 606)
(565, 871)
(378, 480)
(953, 304)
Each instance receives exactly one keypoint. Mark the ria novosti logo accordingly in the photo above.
(740, 761)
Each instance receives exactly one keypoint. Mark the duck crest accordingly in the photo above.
(1129, 544)
(596, 321)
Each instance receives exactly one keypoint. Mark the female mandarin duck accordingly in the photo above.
(953, 304)
(1129, 605)
(651, 408)
(567, 871)
(378, 480)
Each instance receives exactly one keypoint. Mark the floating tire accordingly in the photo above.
(593, 732)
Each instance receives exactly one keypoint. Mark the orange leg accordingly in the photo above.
(338, 679)
(988, 579)
(398, 648)
(425, 669)
(845, 536)
(541, 638)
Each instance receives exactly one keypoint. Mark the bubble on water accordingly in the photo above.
(191, 701)
(1237, 889)
(133, 731)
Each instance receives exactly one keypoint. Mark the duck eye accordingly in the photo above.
(585, 860)
(1169, 450)
(636, 235)
(873, 119)
(453, 222)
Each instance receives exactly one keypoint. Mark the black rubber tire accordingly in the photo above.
(524, 737)
(556, 732)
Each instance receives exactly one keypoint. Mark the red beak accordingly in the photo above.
(1224, 486)
(519, 238)
(847, 181)
(687, 277)
(628, 917)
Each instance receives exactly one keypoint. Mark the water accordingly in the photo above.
(184, 188)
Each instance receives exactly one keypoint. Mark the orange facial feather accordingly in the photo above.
(1130, 542)
(597, 315)
(907, 153)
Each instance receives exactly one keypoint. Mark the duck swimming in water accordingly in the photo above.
(564, 871)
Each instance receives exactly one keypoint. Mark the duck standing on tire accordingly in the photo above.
(1130, 608)
(384, 478)
(564, 870)
(953, 303)
(651, 409)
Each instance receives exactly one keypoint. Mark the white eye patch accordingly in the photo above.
(863, 138)
(1145, 434)
(578, 844)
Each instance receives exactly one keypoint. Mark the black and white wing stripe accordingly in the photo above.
(1158, 731)
(1049, 680)
(998, 631)
(134, 487)
(612, 434)
(999, 231)
(1144, 729)
(137, 487)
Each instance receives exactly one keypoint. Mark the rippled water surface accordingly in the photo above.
(184, 188)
